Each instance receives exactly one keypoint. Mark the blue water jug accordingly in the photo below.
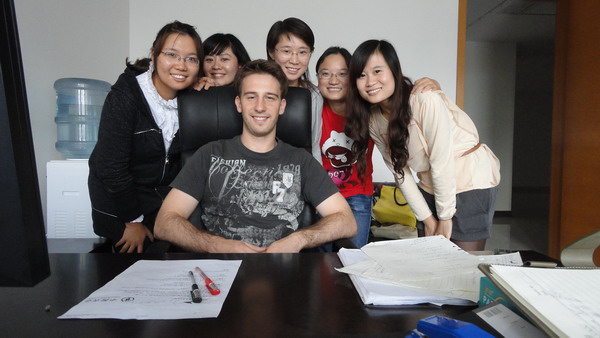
(78, 109)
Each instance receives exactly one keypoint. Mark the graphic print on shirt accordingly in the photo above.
(338, 150)
(256, 204)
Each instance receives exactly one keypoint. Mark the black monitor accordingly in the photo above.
(23, 247)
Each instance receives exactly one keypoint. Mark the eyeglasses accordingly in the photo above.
(325, 75)
(174, 58)
(288, 53)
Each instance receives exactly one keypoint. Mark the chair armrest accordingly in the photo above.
(159, 246)
(581, 252)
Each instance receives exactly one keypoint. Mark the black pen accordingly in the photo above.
(196, 296)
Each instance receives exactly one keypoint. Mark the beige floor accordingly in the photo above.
(527, 226)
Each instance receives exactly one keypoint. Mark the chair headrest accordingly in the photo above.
(210, 115)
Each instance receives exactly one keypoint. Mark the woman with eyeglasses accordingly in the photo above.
(224, 54)
(290, 43)
(336, 147)
(428, 133)
(138, 150)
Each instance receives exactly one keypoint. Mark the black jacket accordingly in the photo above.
(130, 172)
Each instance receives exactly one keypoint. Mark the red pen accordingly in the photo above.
(212, 288)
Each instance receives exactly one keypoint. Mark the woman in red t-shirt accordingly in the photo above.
(336, 147)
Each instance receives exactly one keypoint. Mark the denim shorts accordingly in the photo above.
(474, 214)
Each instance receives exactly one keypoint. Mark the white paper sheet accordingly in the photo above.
(151, 289)
(431, 264)
(421, 258)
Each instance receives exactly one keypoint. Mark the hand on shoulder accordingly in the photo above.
(428, 99)
(204, 83)
(425, 84)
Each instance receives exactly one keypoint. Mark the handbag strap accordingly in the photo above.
(396, 200)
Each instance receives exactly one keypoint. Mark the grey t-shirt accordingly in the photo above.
(249, 196)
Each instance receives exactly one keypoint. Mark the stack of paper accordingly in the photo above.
(420, 270)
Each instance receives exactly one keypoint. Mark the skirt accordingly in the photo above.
(474, 214)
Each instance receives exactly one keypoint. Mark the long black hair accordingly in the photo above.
(358, 111)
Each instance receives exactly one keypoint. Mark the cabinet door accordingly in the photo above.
(69, 209)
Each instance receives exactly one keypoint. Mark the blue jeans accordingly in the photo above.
(361, 208)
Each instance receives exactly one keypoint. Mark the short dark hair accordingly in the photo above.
(174, 27)
(216, 43)
(287, 27)
(335, 50)
(261, 66)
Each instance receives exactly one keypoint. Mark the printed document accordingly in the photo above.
(151, 289)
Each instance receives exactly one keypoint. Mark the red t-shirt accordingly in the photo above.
(337, 157)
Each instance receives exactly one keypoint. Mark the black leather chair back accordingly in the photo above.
(210, 115)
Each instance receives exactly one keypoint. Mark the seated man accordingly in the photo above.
(251, 188)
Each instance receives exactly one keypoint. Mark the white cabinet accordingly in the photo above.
(68, 202)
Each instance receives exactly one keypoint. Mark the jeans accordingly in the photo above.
(361, 208)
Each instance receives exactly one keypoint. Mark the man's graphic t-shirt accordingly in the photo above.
(249, 196)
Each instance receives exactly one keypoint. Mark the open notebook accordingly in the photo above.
(563, 302)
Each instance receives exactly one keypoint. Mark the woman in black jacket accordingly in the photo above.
(138, 151)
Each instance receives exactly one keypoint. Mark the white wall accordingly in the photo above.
(66, 38)
(490, 101)
(72, 38)
(424, 32)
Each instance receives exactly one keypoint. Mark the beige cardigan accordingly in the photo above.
(440, 133)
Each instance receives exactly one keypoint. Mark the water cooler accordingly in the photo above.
(79, 106)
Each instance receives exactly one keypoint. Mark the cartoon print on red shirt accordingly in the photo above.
(338, 150)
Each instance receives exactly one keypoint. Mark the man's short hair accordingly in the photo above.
(261, 66)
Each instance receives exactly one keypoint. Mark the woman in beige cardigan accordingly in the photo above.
(429, 134)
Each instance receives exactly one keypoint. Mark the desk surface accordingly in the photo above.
(272, 295)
